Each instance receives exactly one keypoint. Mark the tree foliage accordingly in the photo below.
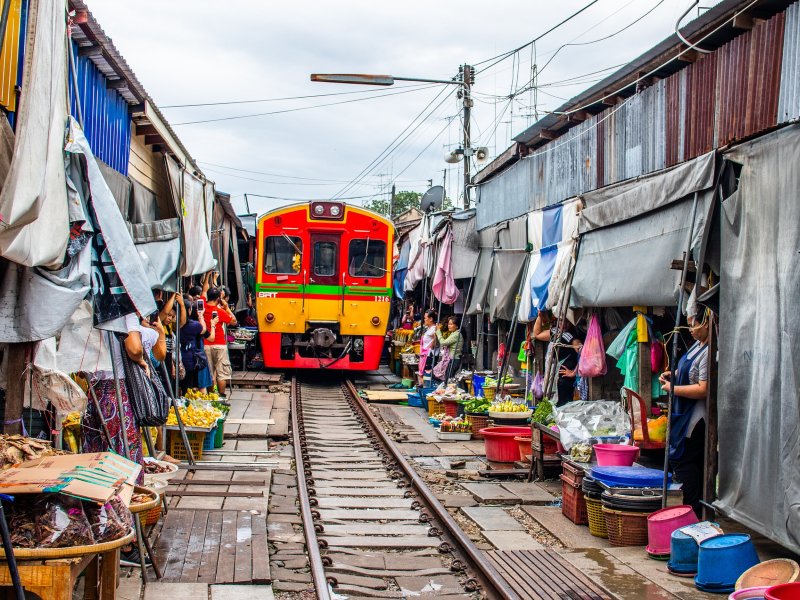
(403, 201)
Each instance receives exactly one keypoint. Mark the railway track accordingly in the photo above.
(371, 525)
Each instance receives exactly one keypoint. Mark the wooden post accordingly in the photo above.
(15, 391)
(711, 458)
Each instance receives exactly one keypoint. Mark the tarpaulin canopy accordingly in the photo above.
(759, 322)
(420, 257)
(483, 275)
(552, 233)
(120, 187)
(400, 269)
(509, 263)
(34, 221)
(633, 231)
(466, 244)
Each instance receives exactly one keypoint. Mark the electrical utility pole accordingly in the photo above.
(467, 74)
(391, 202)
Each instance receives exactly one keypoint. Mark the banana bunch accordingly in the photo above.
(194, 416)
(195, 394)
(508, 406)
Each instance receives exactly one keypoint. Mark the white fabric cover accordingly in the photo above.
(197, 255)
(34, 225)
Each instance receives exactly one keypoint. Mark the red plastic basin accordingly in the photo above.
(525, 450)
(615, 455)
(785, 591)
(500, 444)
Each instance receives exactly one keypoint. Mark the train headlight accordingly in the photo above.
(376, 321)
(319, 210)
(270, 317)
(335, 211)
(358, 345)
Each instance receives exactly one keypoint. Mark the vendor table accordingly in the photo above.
(54, 579)
(242, 347)
(538, 458)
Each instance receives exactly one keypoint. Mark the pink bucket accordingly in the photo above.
(662, 523)
(615, 455)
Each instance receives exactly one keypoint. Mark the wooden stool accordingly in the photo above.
(55, 579)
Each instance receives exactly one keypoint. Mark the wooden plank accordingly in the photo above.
(225, 466)
(281, 427)
(250, 421)
(217, 482)
(215, 494)
(260, 549)
(227, 548)
(211, 545)
(173, 567)
(194, 547)
(243, 570)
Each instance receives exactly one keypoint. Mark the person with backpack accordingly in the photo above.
(193, 355)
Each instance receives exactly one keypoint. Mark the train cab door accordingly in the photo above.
(325, 276)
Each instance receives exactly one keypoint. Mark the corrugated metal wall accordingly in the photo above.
(107, 122)
(789, 99)
(725, 96)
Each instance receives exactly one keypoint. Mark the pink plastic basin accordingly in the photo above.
(615, 455)
(753, 593)
(785, 591)
(662, 523)
(500, 444)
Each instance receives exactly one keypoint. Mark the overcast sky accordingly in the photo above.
(187, 52)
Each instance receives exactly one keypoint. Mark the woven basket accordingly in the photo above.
(626, 528)
(152, 516)
(51, 553)
(478, 421)
(597, 520)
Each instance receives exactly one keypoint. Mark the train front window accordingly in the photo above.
(283, 255)
(324, 259)
(367, 258)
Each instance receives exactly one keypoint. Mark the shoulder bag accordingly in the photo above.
(148, 398)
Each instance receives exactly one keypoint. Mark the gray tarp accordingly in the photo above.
(160, 260)
(466, 245)
(119, 185)
(631, 232)
(509, 264)
(144, 204)
(759, 330)
(34, 222)
(477, 303)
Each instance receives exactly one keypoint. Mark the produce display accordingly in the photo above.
(491, 382)
(477, 405)
(543, 413)
(17, 448)
(152, 467)
(449, 392)
(141, 498)
(509, 406)
(195, 394)
(193, 416)
(61, 523)
(581, 452)
(455, 425)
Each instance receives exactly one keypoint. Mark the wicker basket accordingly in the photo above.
(626, 528)
(597, 520)
(434, 406)
(152, 516)
(478, 421)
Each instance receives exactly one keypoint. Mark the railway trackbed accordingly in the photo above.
(371, 525)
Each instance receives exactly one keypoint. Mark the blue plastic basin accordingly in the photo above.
(721, 560)
(629, 476)
(682, 554)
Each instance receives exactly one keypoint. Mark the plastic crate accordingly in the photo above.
(208, 440)
(573, 506)
(488, 393)
(597, 520)
(219, 437)
(176, 449)
(572, 474)
(478, 421)
(434, 406)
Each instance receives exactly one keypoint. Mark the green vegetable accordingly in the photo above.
(543, 413)
(477, 405)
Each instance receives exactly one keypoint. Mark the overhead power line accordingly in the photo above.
(299, 108)
(269, 174)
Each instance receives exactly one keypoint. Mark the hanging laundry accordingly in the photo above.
(444, 286)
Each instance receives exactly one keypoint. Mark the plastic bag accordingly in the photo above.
(657, 355)
(538, 386)
(592, 362)
(61, 523)
(594, 419)
(123, 512)
(105, 523)
(22, 523)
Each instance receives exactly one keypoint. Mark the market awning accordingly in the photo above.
(631, 233)
(509, 263)
(758, 404)
(466, 244)
(477, 303)
(552, 233)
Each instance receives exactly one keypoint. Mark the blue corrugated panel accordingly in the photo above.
(106, 120)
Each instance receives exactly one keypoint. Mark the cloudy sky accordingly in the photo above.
(199, 51)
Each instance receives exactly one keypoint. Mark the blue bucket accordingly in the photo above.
(722, 559)
(477, 384)
(683, 554)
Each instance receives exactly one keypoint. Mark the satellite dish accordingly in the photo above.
(432, 199)
(481, 155)
(453, 156)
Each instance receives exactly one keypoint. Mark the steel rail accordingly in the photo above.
(492, 582)
(309, 527)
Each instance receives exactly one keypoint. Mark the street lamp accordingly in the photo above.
(465, 79)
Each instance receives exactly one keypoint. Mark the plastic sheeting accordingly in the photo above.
(119, 185)
(552, 234)
(34, 219)
(509, 263)
(466, 244)
(160, 260)
(633, 231)
(759, 370)
(477, 303)
(420, 255)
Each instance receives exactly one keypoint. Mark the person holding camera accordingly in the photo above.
(216, 348)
